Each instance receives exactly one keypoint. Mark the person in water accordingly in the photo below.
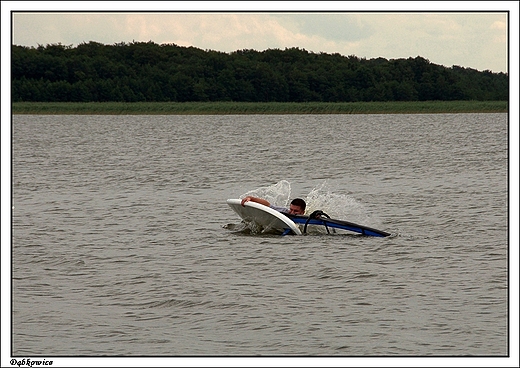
(297, 206)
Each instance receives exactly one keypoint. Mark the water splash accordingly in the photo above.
(277, 194)
(338, 206)
(321, 197)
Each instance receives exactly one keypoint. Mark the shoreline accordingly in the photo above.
(255, 108)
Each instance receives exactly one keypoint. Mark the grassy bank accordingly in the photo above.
(229, 108)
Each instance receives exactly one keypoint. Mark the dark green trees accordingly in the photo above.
(145, 71)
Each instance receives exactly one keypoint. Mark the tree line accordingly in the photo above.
(146, 71)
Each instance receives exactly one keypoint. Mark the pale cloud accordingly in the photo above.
(500, 35)
(499, 25)
(447, 39)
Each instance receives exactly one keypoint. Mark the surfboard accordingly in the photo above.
(266, 218)
(338, 224)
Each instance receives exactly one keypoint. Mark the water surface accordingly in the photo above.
(122, 242)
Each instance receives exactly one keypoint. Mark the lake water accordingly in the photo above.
(123, 244)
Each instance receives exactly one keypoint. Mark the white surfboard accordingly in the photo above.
(263, 216)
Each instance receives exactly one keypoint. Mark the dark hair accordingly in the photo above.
(299, 202)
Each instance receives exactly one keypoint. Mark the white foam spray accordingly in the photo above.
(338, 206)
(277, 194)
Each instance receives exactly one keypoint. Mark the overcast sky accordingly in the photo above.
(470, 39)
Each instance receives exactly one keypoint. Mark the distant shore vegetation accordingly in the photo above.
(141, 72)
(233, 108)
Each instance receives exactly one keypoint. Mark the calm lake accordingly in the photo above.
(123, 244)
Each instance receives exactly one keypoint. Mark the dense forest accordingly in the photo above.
(146, 71)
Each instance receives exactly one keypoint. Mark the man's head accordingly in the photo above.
(297, 207)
